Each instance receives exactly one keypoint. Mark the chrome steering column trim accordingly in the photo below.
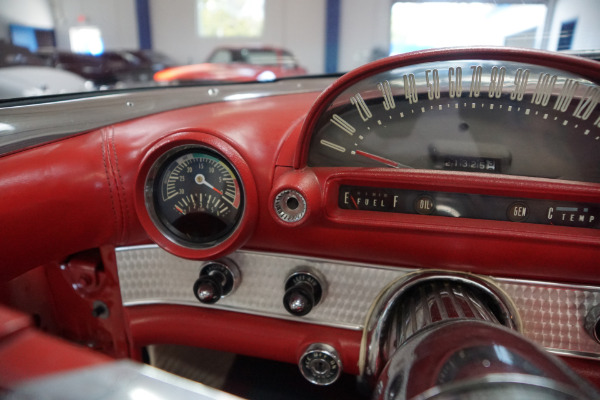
(375, 347)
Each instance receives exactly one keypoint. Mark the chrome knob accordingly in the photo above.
(208, 290)
(303, 291)
(320, 364)
(217, 280)
(298, 303)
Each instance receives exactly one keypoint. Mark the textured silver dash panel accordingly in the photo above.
(150, 275)
(552, 314)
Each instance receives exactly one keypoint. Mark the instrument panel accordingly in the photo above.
(480, 134)
(485, 116)
(463, 205)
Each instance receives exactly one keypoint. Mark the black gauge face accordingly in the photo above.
(476, 116)
(195, 197)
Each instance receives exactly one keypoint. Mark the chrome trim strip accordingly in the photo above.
(575, 354)
(552, 314)
(241, 310)
(31, 125)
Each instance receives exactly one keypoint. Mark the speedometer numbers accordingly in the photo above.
(197, 198)
(468, 115)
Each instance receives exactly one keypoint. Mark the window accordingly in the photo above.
(86, 40)
(567, 30)
(417, 26)
(230, 18)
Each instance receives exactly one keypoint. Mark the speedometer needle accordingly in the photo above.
(200, 180)
(382, 160)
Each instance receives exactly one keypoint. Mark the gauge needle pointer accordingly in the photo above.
(200, 180)
(382, 160)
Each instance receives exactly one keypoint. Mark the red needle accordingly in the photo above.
(382, 160)
(201, 180)
(354, 202)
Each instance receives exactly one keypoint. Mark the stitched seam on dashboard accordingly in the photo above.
(122, 197)
(110, 190)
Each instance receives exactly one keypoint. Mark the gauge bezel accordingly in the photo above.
(587, 69)
(151, 196)
(162, 152)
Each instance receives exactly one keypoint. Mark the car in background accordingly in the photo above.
(35, 80)
(237, 64)
(11, 55)
(155, 59)
(111, 68)
(87, 66)
(126, 67)
(26, 74)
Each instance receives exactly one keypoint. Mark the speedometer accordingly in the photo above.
(195, 196)
(489, 115)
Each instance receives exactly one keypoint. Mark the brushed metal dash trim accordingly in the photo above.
(302, 320)
(552, 314)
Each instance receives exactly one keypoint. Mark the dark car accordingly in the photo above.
(90, 67)
(155, 59)
(11, 55)
(128, 66)
(124, 67)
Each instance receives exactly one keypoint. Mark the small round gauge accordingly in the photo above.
(194, 196)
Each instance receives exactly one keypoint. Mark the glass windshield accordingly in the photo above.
(64, 46)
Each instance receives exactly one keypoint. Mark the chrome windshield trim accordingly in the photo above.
(30, 125)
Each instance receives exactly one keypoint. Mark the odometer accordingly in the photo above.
(195, 197)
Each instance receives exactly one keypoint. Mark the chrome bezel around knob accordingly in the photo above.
(320, 354)
(290, 205)
(305, 283)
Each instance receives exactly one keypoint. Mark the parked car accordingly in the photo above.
(128, 66)
(32, 80)
(11, 55)
(90, 67)
(123, 67)
(155, 59)
(237, 64)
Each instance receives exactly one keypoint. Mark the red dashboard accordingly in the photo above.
(355, 183)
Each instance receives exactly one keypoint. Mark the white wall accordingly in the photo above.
(587, 14)
(298, 26)
(35, 13)
(364, 27)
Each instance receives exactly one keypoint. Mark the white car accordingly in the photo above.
(29, 80)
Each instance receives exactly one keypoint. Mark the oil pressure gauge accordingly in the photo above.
(194, 196)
